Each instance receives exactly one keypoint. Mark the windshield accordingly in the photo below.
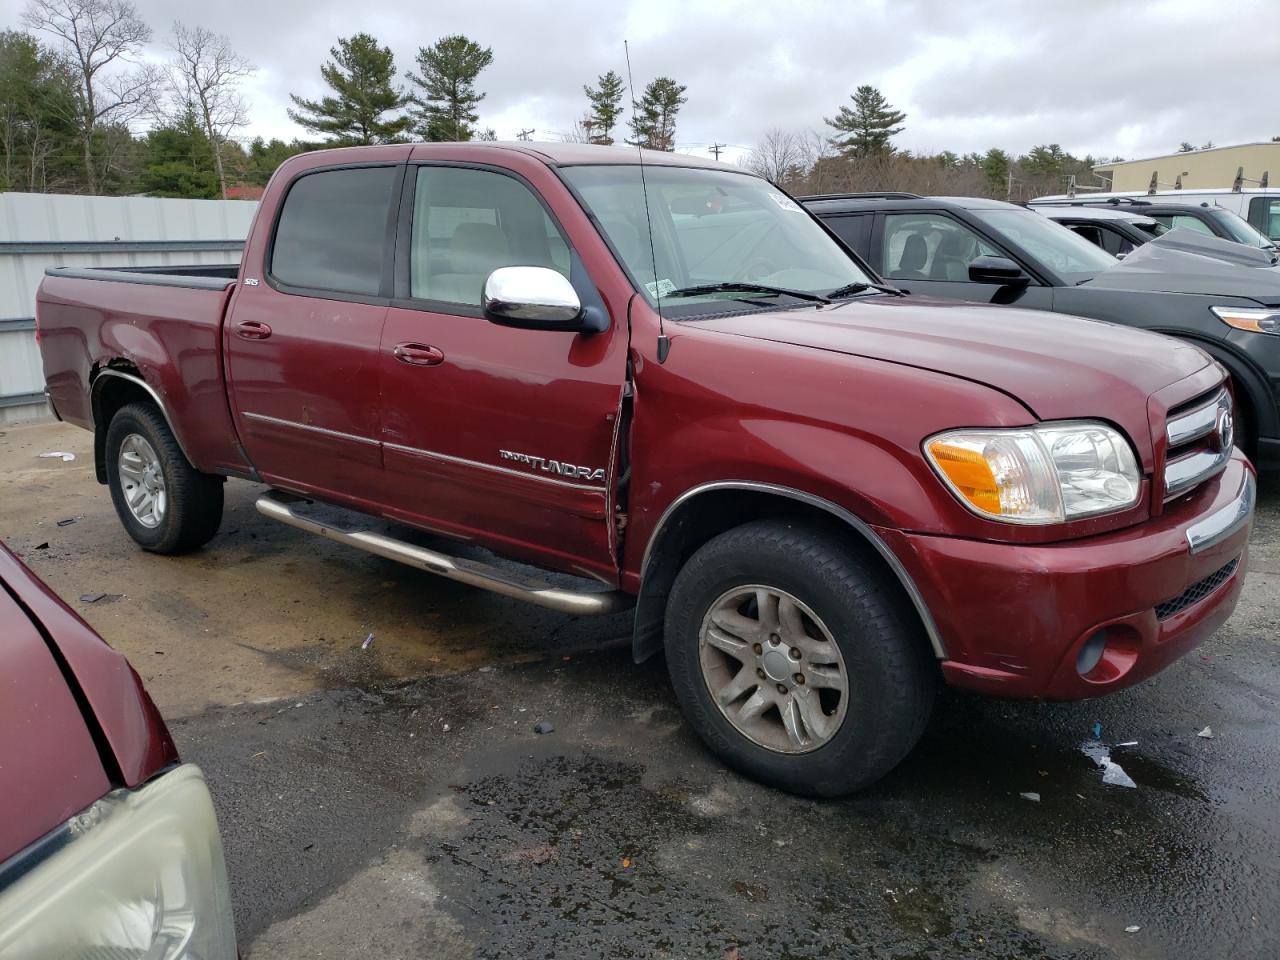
(710, 227)
(1067, 254)
(1241, 230)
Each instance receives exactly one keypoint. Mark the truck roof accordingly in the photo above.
(553, 154)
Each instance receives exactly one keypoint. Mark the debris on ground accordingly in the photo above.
(69, 520)
(62, 455)
(542, 726)
(1112, 773)
(91, 597)
(367, 642)
(43, 546)
(1097, 731)
(1132, 928)
(1033, 797)
(1206, 733)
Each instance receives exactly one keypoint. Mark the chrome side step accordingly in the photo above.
(279, 506)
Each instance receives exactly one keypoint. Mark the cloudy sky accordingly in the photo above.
(1107, 77)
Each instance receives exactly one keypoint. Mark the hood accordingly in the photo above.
(1183, 261)
(1058, 367)
(49, 765)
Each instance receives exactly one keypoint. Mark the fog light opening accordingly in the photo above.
(1091, 653)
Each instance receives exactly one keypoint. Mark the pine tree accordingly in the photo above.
(868, 127)
(360, 74)
(446, 94)
(606, 107)
(653, 119)
(995, 167)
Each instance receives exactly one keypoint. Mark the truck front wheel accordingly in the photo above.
(166, 504)
(796, 659)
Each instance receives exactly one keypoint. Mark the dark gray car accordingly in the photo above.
(993, 252)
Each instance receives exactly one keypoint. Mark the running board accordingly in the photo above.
(279, 506)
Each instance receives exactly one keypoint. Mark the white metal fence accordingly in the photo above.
(44, 230)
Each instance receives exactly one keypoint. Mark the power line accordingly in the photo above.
(715, 148)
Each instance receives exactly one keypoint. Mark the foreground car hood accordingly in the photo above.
(1185, 262)
(49, 765)
(1058, 367)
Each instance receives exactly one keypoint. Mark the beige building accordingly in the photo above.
(1199, 169)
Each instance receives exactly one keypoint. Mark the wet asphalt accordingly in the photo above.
(395, 801)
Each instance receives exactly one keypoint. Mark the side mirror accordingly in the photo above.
(534, 298)
(1000, 270)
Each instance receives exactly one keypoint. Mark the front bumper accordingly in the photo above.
(1015, 619)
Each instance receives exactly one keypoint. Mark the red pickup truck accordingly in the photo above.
(670, 386)
(108, 845)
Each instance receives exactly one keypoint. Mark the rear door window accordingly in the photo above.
(332, 231)
(854, 230)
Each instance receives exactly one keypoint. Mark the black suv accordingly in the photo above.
(993, 252)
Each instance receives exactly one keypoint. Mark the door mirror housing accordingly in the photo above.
(1000, 270)
(533, 298)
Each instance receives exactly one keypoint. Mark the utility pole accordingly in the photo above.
(715, 148)
(526, 134)
(589, 127)
(1008, 192)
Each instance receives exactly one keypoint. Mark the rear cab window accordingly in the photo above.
(331, 234)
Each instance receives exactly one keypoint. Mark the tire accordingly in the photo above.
(190, 501)
(889, 675)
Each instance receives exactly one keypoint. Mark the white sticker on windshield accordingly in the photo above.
(660, 289)
(786, 203)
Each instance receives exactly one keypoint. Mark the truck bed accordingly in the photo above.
(160, 324)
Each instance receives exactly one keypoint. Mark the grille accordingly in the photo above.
(1197, 591)
(1200, 436)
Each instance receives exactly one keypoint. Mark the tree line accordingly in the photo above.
(860, 155)
(74, 91)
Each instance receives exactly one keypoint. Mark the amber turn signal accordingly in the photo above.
(969, 473)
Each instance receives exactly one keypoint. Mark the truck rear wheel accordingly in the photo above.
(796, 659)
(165, 504)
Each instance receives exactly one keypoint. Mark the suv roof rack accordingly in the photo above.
(1097, 202)
(872, 195)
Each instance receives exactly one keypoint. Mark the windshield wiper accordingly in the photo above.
(849, 289)
(743, 286)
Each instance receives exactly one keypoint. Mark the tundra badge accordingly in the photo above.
(554, 466)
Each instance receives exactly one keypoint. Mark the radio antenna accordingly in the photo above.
(664, 345)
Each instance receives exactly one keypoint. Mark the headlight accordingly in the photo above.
(1255, 321)
(1044, 474)
(140, 877)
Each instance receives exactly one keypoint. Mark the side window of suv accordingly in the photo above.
(332, 230)
(930, 246)
(468, 223)
(1181, 220)
(854, 231)
(1264, 214)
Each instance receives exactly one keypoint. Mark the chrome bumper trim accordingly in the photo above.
(1222, 523)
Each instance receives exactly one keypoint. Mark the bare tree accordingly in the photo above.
(777, 157)
(100, 36)
(206, 73)
(580, 132)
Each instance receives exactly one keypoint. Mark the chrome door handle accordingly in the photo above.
(418, 354)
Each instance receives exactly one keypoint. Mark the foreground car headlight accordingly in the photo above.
(1255, 321)
(140, 876)
(1044, 474)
